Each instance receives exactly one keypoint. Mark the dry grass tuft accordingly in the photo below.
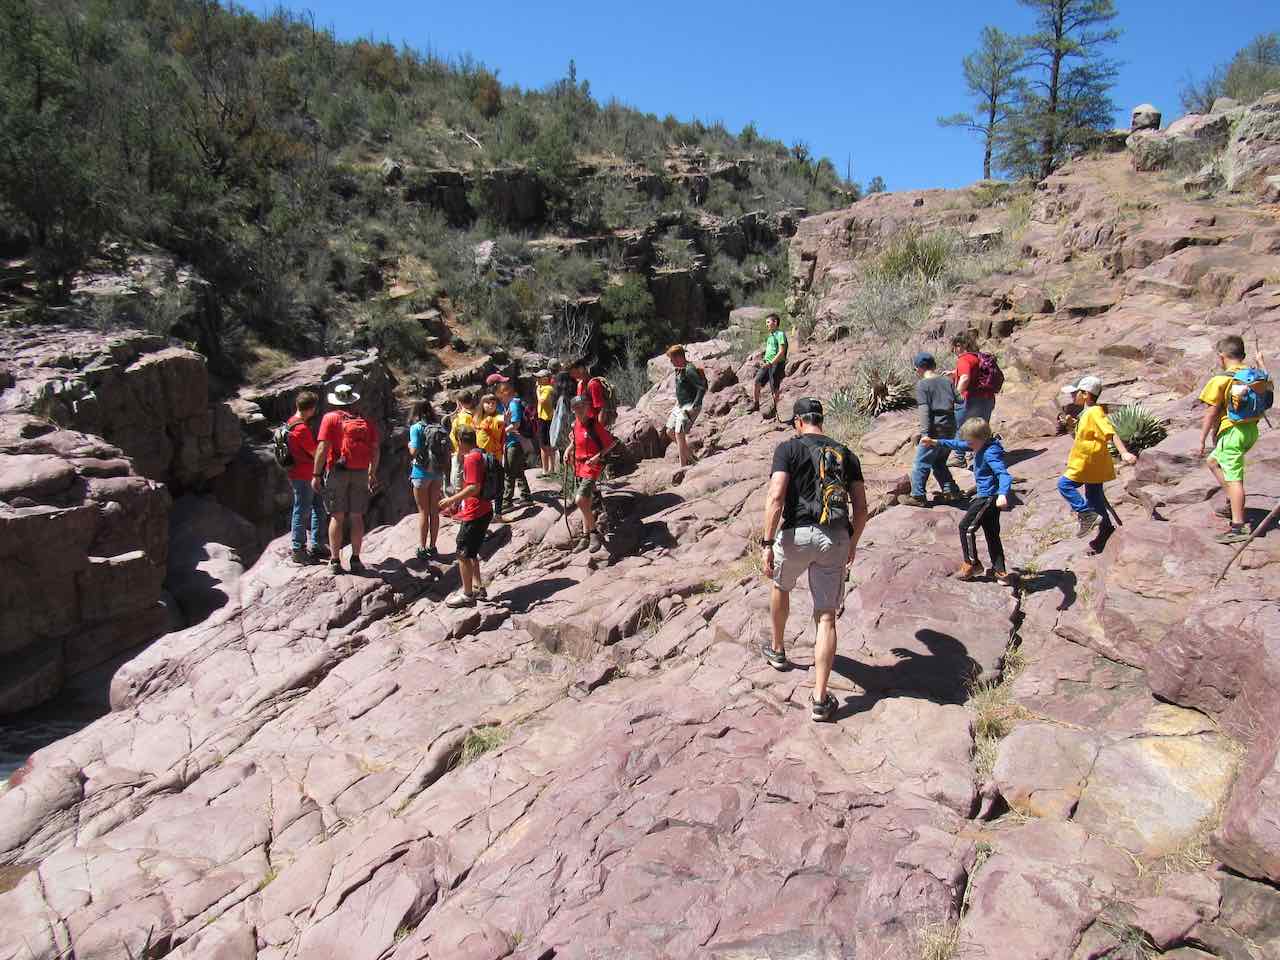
(479, 742)
(938, 941)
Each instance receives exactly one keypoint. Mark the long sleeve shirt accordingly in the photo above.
(989, 471)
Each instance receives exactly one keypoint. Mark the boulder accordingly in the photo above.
(1186, 144)
(210, 546)
(1144, 117)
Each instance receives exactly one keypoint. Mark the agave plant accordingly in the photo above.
(882, 381)
(1137, 426)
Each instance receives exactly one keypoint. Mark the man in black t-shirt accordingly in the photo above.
(813, 518)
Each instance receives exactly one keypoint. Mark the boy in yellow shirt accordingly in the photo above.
(1089, 464)
(1233, 438)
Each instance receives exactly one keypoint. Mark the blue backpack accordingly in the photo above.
(1250, 396)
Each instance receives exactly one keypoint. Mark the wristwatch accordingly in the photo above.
(766, 542)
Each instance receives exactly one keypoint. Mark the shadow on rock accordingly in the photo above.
(1061, 580)
(1014, 457)
(521, 599)
(943, 675)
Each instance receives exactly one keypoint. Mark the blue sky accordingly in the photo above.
(854, 80)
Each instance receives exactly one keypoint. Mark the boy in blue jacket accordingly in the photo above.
(993, 480)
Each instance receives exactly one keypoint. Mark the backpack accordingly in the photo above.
(356, 450)
(434, 452)
(1251, 395)
(562, 425)
(491, 486)
(280, 440)
(830, 503)
(988, 378)
(609, 414)
(528, 425)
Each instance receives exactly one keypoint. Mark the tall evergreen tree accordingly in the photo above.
(1068, 79)
(991, 77)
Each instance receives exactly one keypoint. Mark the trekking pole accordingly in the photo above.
(1257, 531)
(1262, 362)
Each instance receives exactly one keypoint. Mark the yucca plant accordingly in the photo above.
(1138, 427)
(882, 381)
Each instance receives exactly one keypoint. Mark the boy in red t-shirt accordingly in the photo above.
(474, 516)
(591, 444)
(302, 447)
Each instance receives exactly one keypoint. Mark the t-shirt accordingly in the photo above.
(545, 406)
(512, 417)
(793, 458)
(936, 400)
(489, 433)
(331, 433)
(460, 419)
(1215, 394)
(775, 344)
(302, 445)
(691, 386)
(967, 366)
(589, 439)
(593, 390)
(417, 440)
(473, 508)
(1090, 458)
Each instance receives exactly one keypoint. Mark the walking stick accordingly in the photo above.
(1258, 530)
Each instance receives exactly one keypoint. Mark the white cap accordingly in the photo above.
(1089, 384)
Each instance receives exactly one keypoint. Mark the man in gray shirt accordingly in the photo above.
(936, 402)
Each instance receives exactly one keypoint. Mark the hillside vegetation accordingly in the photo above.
(323, 193)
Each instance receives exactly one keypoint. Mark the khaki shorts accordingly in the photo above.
(682, 419)
(585, 487)
(823, 552)
(346, 491)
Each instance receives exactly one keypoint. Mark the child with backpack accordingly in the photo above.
(1237, 399)
(431, 452)
(1089, 464)
(481, 484)
(994, 483)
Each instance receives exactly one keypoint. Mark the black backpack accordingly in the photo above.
(280, 441)
(434, 451)
(491, 488)
(830, 503)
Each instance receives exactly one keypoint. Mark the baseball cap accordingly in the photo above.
(1089, 384)
(544, 372)
(493, 378)
(924, 359)
(805, 406)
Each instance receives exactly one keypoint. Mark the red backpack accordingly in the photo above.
(988, 377)
(356, 449)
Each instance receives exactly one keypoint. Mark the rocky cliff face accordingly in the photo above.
(597, 763)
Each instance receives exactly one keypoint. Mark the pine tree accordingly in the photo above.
(991, 76)
(1068, 78)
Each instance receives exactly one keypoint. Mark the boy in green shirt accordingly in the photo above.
(773, 362)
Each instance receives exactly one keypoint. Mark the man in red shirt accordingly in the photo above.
(974, 402)
(588, 386)
(302, 447)
(473, 516)
(346, 470)
(591, 444)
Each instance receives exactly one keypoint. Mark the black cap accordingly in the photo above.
(805, 406)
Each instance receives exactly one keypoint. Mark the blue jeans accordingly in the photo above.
(930, 460)
(1094, 498)
(305, 501)
(976, 407)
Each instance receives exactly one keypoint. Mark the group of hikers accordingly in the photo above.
(471, 467)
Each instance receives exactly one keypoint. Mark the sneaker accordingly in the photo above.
(912, 501)
(594, 543)
(823, 711)
(335, 566)
(459, 599)
(355, 566)
(969, 571)
(300, 557)
(774, 658)
(1004, 578)
(422, 555)
(1087, 519)
(1223, 512)
(1235, 534)
(319, 552)
(431, 553)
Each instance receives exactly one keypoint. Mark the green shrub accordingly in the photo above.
(882, 381)
(1138, 427)
(915, 255)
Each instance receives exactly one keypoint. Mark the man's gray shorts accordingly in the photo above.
(823, 551)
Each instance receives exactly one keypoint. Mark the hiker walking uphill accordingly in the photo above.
(773, 364)
(346, 469)
(299, 450)
(978, 378)
(431, 451)
(591, 444)
(813, 518)
(520, 427)
(994, 483)
(1237, 399)
(1089, 464)
(474, 511)
(936, 402)
(691, 387)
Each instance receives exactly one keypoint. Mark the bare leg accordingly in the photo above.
(779, 610)
(1235, 494)
(824, 653)
(467, 574)
(756, 401)
(335, 534)
(357, 533)
(588, 515)
(682, 439)
(421, 497)
(433, 511)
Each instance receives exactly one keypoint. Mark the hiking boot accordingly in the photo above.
(335, 566)
(1005, 578)
(753, 408)
(823, 711)
(912, 501)
(431, 553)
(319, 552)
(459, 599)
(355, 566)
(958, 460)
(1087, 519)
(594, 543)
(969, 571)
(481, 593)
(1223, 512)
(422, 556)
(1236, 534)
(300, 557)
(944, 497)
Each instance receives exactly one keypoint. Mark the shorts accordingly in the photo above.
(682, 419)
(1230, 450)
(471, 536)
(346, 491)
(585, 487)
(823, 552)
(544, 434)
(419, 481)
(771, 376)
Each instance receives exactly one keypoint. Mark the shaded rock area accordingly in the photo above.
(596, 761)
